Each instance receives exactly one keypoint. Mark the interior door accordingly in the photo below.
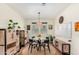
(2, 42)
(22, 38)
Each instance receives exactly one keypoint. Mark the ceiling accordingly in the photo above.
(30, 10)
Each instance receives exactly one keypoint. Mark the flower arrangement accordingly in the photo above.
(39, 35)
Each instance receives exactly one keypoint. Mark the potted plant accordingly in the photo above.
(12, 25)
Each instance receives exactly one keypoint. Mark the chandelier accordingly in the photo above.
(39, 23)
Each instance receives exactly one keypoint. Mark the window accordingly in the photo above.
(44, 29)
(35, 29)
(39, 29)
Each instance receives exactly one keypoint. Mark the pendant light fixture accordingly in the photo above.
(43, 4)
(39, 22)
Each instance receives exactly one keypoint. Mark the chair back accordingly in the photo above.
(47, 38)
(51, 38)
(39, 42)
(46, 41)
(30, 41)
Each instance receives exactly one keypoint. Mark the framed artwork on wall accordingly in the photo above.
(66, 49)
(28, 27)
(50, 27)
(76, 26)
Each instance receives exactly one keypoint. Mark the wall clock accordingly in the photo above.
(61, 19)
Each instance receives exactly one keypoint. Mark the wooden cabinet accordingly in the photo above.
(2, 41)
(62, 46)
(10, 41)
(11, 48)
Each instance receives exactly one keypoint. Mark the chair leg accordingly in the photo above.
(39, 48)
(44, 49)
(52, 42)
(31, 48)
(48, 48)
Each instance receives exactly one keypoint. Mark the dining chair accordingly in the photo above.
(39, 45)
(51, 39)
(32, 44)
(46, 44)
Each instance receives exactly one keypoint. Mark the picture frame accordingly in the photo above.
(66, 49)
(50, 27)
(28, 27)
(76, 26)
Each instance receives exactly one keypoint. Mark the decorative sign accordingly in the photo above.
(77, 26)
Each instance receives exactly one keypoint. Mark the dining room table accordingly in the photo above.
(39, 41)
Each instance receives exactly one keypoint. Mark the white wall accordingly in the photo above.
(71, 14)
(50, 22)
(7, 13)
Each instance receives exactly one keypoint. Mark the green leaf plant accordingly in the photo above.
(12, 24)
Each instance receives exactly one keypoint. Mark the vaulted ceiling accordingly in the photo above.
(47, 11)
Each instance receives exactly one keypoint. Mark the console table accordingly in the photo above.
(62, 47)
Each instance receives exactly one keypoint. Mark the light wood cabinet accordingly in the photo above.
(62, 47)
